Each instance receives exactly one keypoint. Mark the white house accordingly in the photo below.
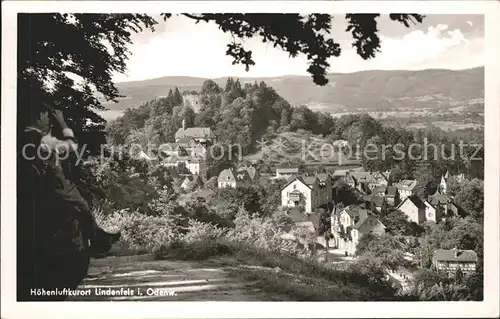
(406, 188)
(232, 178)
(414, 208)
(195, 165)
(431, 214)
(351, 224)
(306, 187)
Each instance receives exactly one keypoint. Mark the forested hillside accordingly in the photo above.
(246, 114)
(372, 90)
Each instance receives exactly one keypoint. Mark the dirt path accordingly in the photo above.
(152, 280)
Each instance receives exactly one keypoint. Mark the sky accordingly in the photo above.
(179, 47)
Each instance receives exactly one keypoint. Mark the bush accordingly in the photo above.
(143, 232)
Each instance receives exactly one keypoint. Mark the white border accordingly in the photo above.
(487, 308)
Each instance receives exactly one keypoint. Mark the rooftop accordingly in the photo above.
(454, 255)
(408, 184)
(196, 132)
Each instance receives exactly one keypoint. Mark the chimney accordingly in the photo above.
(455, 252)
(183, 124)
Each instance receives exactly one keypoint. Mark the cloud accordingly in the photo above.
(188, 49)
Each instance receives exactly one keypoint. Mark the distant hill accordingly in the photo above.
(371, 90)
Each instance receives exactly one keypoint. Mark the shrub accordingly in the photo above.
(143, 232)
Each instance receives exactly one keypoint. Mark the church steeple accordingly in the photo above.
(442, 185)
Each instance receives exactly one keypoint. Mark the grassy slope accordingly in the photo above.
(294, 146)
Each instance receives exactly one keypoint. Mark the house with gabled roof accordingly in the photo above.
(450, 260)
(378, 179)
(392, 195)
(379, 191)
(192, 183)
(200, 134)
(195, 165)
(253, 173)
(302, 188)
(232, 178)
(169, 149)
(444, 204)
(375, 203)
(414, 208)
(351, 224)
(406, 187)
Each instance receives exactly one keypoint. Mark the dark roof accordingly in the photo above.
(378, 200)
(356, 211)
(287, 169)
(293, 178)
(391, 191)
(363, 218)
(380, 189)
(449, 255)
(197, 132)
(299, 217)
(323, 176)
(417, 201)
(438, 199)
(309, 180)
(252, 172)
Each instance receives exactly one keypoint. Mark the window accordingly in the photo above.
(294, 186)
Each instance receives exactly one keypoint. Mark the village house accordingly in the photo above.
(286, 172)
(200, 134)
(414, 208)
(195, 165)
(378, 179)
(325, 185)
(406, 188)
(253, 173)
(379, 191)
(305, 187)
(420, 211)
(375, 203)
(392, 196)
(366, 182)
(431, 214)
(450, 260)
(192, 183)
(308, 223)
(232, 178)
(351, 224)
(444, 204)
(170, 149)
